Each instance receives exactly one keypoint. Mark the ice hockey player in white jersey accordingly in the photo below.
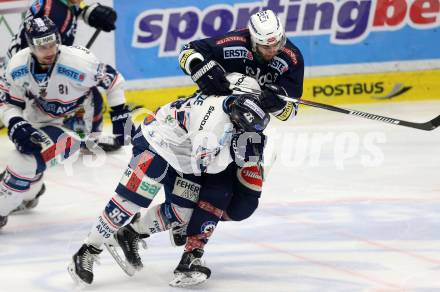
(46, 83)
(230, 194)
(185, 139)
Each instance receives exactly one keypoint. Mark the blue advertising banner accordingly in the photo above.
(328, 32)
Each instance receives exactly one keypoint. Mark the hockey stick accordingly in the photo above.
(107, 143)
(428, 126)
(93, 38)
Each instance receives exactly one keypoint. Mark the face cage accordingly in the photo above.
(258, 127)
(281, 43)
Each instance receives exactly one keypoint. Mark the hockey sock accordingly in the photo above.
(117, 212)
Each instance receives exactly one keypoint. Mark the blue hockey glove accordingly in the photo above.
(123, 127)
(269, 98)
(26, 138)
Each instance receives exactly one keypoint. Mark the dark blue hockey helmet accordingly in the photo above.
(41, 32)
(246, 113)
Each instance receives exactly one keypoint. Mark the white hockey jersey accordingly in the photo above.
(67, 87)
(193, 135)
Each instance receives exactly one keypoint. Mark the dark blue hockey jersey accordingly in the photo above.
(233, 51)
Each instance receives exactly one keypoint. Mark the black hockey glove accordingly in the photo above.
(269, 98)
(123, 127)
(210, 77)
(247, 147)
(25, 137)
(100, 17)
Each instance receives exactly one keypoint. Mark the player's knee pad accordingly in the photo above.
(247, 191)
(241, 207)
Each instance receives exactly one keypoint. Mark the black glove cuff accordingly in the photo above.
(119, 112)
(14, 123)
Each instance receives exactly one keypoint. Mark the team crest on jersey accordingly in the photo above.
(71, 73)
(238, 52)
(279, 64)
(19, 72)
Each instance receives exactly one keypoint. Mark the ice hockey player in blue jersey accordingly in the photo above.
(47, 82)
(261, 51)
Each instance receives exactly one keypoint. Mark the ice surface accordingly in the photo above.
(348, 205)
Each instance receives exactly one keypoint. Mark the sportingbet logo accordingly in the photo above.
(346, 21)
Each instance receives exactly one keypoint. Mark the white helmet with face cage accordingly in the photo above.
(266, 29)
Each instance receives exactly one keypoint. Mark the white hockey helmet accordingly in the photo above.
(266, 29)
(239, 79)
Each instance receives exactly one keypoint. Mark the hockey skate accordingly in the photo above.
(3, 221)
(128, 240)
(81, 267)
(178, 235)
(190, 270)
(27, 205)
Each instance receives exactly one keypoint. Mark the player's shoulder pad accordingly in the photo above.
(78, 51)
(236, 37)
(291, 54)
(78, 55)
(207, 112)
(18, 65)
(37, 6)
(77, 63)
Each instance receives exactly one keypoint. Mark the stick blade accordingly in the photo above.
(435, 122)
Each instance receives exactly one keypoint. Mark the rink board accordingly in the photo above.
(349, 89)
(337, 90)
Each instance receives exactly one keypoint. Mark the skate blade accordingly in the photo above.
(78, 281)
(188, 279)
(125, 266)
